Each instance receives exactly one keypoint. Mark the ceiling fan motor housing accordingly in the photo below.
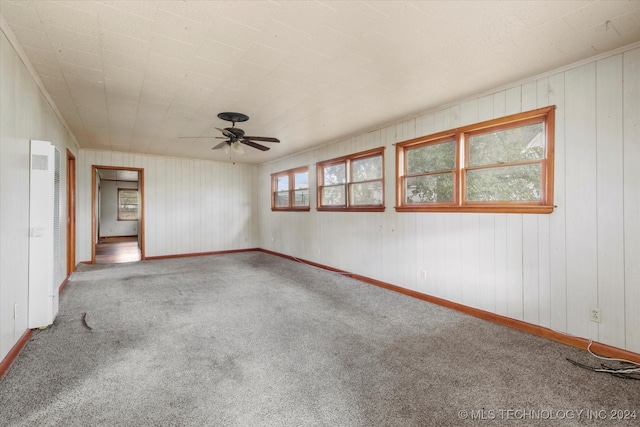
(237, 132)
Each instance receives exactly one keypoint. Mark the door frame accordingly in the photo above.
(71, 212)
(94, 197)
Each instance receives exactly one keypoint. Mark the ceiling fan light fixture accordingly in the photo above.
(237, 148)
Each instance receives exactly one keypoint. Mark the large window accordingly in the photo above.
(352, 183)
(290, 190)
(502, 165)
(128, 204)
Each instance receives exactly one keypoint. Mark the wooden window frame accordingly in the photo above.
(291, 173)
(347, 160)
(461, 136)
(120, 218)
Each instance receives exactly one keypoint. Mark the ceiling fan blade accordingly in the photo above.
(226, 133)
(254, 145)
(262, 138)
(222, 144)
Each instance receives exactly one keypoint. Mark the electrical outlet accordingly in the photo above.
(423, 275)
(595, 315)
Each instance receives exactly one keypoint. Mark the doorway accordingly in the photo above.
(117, 214)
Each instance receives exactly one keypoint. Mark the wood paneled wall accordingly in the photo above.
(26, 114)
(190, 206)
(547, 270)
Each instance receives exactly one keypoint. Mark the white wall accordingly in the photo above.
(547, 270)
(25, 114)
(190, 205)
(109, 223)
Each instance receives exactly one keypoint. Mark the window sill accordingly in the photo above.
(371, 209)
(305, 209)
(534, 209)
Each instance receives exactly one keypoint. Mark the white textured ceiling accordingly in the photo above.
(134, 76)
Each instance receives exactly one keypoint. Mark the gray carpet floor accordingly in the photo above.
(252, 339)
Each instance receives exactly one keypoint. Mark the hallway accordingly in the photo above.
(111, 250)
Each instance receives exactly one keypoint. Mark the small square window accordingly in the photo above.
(290, 190)
(352, 183)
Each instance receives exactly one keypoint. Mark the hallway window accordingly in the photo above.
(128, 204)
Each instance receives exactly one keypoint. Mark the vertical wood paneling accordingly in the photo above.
(487, 257)
(454, 273)
(513, 100)
(557, 220)
(631, 146)
(530, 265)
(158, 235)
(610, 202)
(544, 281)
(425, 252)
(499, 104)
(470, 259)
(514, 267)
(485, 108)
(529, 96)
(582, 254)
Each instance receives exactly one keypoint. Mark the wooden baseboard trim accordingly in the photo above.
(573, 341)
(63, 284)
(200, 254)
(13, 353)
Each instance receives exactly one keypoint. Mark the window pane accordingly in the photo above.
(128, 204)
(335, 174)
(431, 158)
(509, 145)
(282, 183)
(367, 169)
(301, 180)
(508, 183)
(435, 188)
(333, 196)
(367, 193)
(301, 198)
(282, 199)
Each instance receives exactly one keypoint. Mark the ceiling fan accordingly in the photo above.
(235, 136)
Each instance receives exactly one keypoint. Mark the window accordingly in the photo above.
(352, 183)
(502, 165)
(128, 203)
(290, 190)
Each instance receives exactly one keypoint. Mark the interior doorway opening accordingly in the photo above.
(117, 215)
